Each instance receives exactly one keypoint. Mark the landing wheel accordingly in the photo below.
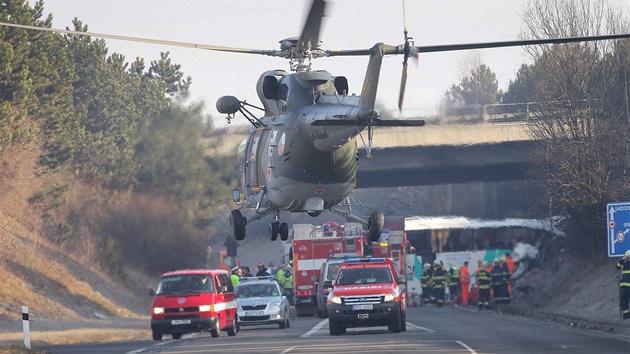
(274, 229)
(237, 221)
(375, 226)
(314, 213)
(284, 231)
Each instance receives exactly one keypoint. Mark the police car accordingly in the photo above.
(260, 302)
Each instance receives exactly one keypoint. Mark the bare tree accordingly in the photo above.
(585, 147)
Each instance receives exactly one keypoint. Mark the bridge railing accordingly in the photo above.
(509, 112)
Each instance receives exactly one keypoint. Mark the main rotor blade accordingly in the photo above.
(516, 43)
(403, 83)
(310, 34)
(369, 122)
(484, 45)
(272, 53)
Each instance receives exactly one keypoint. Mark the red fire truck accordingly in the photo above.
(391, 245)
(311, 246)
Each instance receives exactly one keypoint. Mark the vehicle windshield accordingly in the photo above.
(332, 271)
(349, 276)
(256, 290)
(185, 284)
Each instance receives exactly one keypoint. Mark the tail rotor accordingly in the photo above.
(409, 50)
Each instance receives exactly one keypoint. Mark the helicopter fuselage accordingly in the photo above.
(288, 164)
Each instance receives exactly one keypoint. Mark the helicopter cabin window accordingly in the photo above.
(341, 85)
(270, 87)
(283, 91)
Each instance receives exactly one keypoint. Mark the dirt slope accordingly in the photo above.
(55, 285)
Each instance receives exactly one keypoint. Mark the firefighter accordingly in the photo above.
(509, 262)
(484, 281)
(262, 271)
(497, 280)
(624, 285)
(454, 283)
(439, 279)
(505, 281)
(425, 283)
(464, 278)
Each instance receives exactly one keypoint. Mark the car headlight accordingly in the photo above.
(275, 305)
(205, 308)
(335, 299)
(389, 297)
(158, 310)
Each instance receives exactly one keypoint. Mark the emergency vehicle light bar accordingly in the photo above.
(363, 260)
(268, 277)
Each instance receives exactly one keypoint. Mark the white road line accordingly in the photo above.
(470, 350)
(288, 349)
(409, 324)
(315, 329)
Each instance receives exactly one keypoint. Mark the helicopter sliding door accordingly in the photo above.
(255, 177)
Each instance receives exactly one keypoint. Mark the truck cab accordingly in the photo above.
(367, 292)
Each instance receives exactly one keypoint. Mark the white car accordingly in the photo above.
(260, 302)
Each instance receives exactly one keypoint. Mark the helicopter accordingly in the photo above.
(301, 154)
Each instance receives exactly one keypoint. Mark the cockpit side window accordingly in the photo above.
(341, 85)
(283, 92)
(270, 87)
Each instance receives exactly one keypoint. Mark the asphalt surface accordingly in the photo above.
(430, 329)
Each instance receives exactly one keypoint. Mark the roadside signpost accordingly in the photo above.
(618, 226)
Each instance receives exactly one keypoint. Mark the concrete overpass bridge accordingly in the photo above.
(491, 147)
(442, 154)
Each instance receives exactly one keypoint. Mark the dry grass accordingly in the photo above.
(54, 284)
(90, 335)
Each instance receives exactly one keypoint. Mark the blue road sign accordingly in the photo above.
(618, 226)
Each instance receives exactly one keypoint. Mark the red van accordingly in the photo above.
(189, 301)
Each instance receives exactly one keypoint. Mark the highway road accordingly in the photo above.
(429, 330)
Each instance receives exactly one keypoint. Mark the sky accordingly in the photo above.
(349, 24)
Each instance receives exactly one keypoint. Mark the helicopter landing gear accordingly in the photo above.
(375, 226)
(277, 228)
(274, 229)
(238, 222)
(284, 231)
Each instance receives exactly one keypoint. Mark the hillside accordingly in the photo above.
(55, 285)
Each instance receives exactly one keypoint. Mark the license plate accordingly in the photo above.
(362, 307)
(255, 313)
(363, 316)
(179, 322)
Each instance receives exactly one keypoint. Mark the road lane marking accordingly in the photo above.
(315, 329)
(323, 323)
(288, 349)
(470, 350)
(409, 324)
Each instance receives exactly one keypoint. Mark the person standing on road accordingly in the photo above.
(262, 271)
(624, 285)
(425, 283)
(484, 281)
(454, 282)
(464, 278)
(236, 276)
(497, 281)
(439, 280)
